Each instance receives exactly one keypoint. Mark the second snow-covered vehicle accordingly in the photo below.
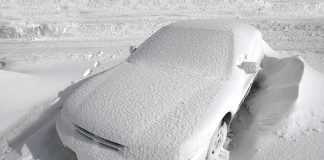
(172, 99)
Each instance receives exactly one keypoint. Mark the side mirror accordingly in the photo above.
(132, 49)
(249, 67)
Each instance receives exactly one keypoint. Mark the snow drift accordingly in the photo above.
(294, 93)
(287, 106)
(297, 93)
(10, 115)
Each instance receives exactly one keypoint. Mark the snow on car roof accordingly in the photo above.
(208, 47)
(207, 24)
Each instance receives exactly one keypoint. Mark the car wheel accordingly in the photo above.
(216, 150)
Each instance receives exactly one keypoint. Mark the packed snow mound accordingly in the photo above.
(30, 83)
(290, 101)
(279, 86)
(285, 107)
(293, 91)
(12, 83)
(308, 110)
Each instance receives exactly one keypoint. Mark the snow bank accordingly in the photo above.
(287, 107)
(293, 92)
(16, 85)
(30, 83)
(308, 114)
(26, 86)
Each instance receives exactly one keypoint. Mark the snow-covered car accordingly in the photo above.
(173, 98)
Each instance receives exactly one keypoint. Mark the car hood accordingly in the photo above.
(143, 106)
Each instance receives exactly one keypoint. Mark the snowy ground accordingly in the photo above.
(45, 46)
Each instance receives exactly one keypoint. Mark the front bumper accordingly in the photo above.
(87, 149)
(84, 147)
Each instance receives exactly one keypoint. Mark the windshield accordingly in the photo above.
(209, 52)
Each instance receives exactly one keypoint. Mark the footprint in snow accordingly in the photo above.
(100, 53)
(87, 72)
(113, 56)
(90, 56)
(96, 64)
(316, 130)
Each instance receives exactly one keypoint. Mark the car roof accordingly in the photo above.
(245, 35)
(203, 46)
(211, 24)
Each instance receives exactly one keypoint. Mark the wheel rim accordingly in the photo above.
(217, 143)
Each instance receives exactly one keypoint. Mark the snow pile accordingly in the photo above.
(290, 97)
(307, 113)
(27, 84)
(30, 83)
(286, 108)
(11, 84)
